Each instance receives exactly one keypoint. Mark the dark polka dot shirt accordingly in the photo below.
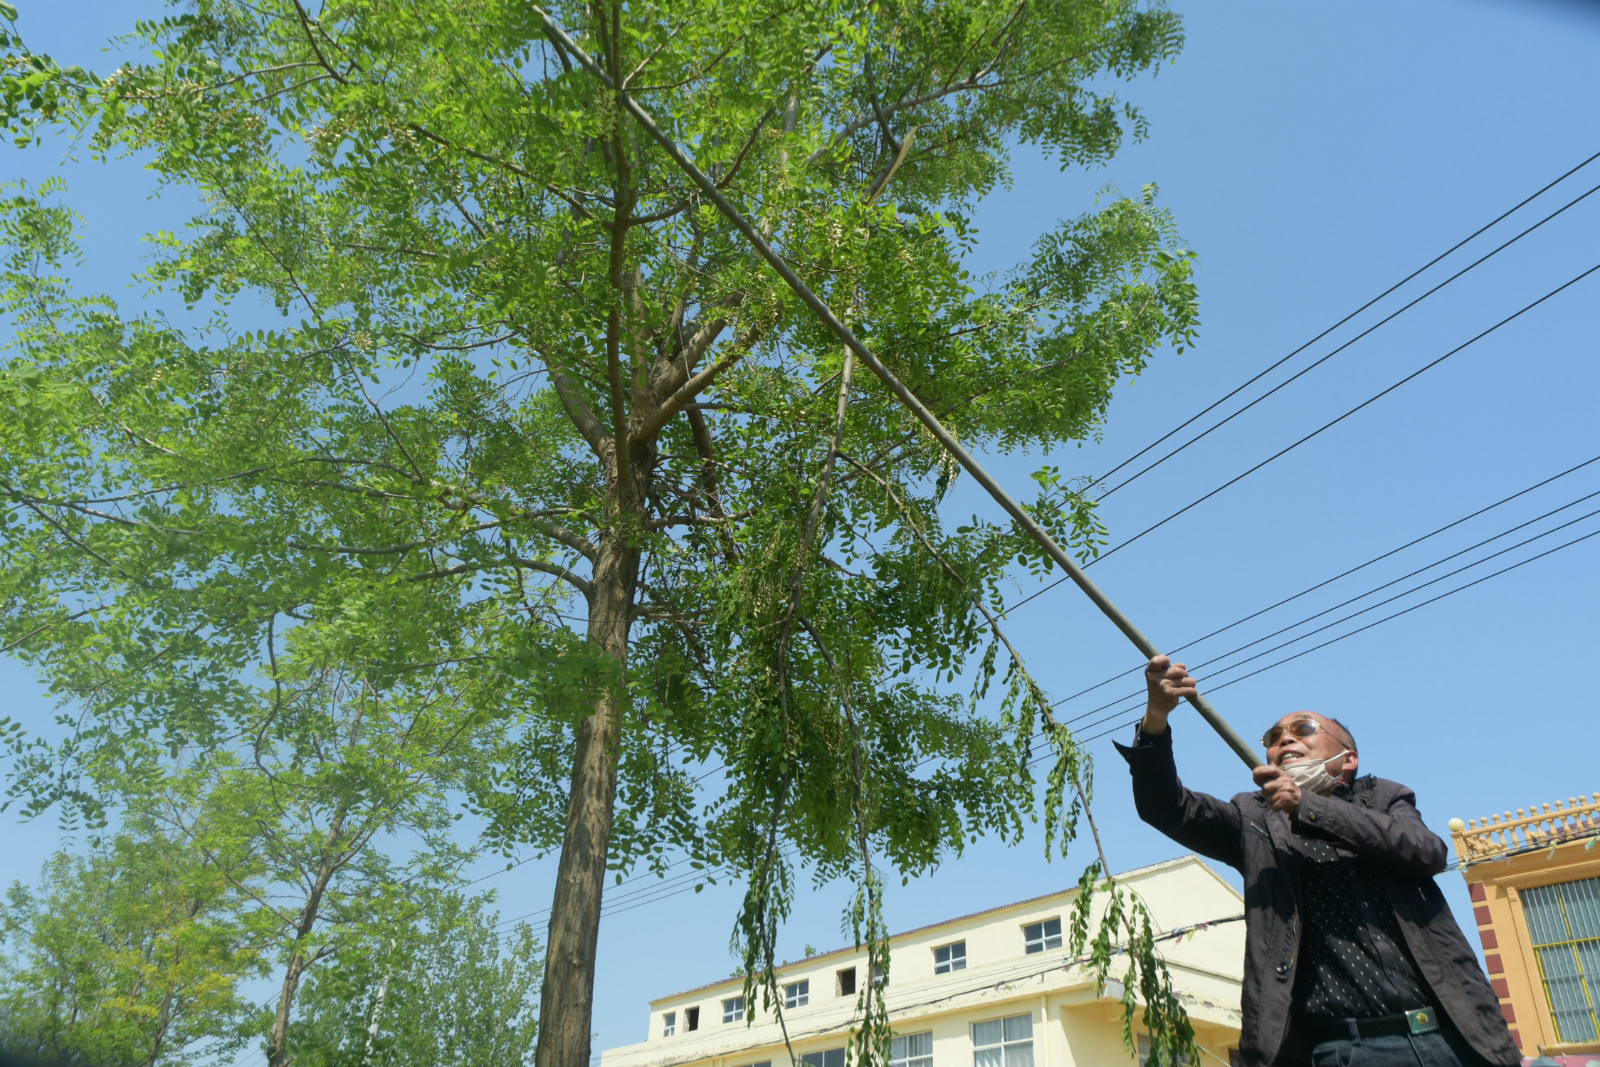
(1354, 963)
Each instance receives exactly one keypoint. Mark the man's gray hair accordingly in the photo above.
(1346, 738)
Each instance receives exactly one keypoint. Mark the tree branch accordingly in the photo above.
(578, 410)
(583, 585)
(696, 520)
(698, 383)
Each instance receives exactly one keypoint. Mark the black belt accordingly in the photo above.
(1416, 1021)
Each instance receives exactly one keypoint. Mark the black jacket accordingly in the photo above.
(1380, 822)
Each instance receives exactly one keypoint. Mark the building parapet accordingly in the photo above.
(1530, 829)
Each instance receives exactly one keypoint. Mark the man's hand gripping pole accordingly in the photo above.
(848, 338)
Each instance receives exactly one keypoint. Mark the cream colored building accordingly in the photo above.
(991, 989)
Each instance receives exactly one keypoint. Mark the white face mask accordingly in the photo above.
(1312, 775)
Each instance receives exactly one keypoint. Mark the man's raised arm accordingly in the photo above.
(1203, 823)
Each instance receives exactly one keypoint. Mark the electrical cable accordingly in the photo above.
(1342, 574)
(1413, 607)
(1416, 588)
(1480, 230)
(1211, 664)
(611, 903)
(1368, 626)
(1319, 362)
(1335, 640)
(631, 878)
(1321, 429)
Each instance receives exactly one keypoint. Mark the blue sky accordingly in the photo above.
(1312, 156)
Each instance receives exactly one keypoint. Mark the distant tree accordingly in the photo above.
(537, 427)
(288, 817)
(127, 956)
(447, 986)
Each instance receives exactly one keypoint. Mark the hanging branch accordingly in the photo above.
(1164, 1016)
(758, 915)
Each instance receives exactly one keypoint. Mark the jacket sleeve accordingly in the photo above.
(1196, 821)
(1395, 838)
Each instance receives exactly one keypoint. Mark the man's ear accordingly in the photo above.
(1351, 762)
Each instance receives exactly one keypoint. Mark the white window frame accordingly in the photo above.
(797, 994)
(953, 961)
(669, 1023)
(900, 1050)
(1044, 939)
(733, 1009)
(1010, 1048)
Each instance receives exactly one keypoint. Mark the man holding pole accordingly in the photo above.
(1351, 955)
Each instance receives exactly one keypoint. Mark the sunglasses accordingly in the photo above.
(1301, 728)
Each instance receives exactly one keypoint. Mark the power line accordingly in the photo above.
(1347, 618)
(1212, 661)
(1342, 574)
(632, 878)
(1321, 429)
(643, 894)
(1363, 629)
(1317, 363)
(1235, 392)
(1414, 607)
(1397, 596)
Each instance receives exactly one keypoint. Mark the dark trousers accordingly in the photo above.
(1445, 1047)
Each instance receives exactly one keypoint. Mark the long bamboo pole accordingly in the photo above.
(890, 381)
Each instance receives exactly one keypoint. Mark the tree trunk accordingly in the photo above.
(328, 864)
(567, 1003)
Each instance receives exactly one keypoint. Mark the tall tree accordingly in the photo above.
(523, 370)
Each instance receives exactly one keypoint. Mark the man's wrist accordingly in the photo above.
(1154, 721)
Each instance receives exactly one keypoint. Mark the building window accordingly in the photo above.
(947, 958)
(691, 1019)
(1147, 1060)
(912, 1050)
(1564, 924)
(833, 1057)
(1003, 1042)
(669, 1023)
(847, 983)
(1036, 937)
(733, 1009)
(797, 994)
